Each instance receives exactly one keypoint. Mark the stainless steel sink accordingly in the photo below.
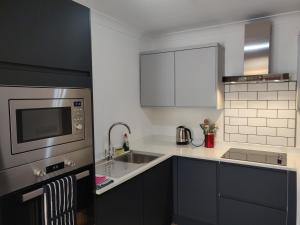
(124, 164)
(137, 157)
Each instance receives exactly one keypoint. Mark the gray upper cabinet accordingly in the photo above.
(186, 77)
(196, 77)
(157, 79)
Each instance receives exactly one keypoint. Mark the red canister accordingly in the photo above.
(210, 140)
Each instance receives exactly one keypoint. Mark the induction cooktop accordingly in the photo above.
(273, 158)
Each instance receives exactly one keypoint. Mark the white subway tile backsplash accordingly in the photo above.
(291, 123)
(227, 104)
(231, 129)
(278, 105)
(231, 112)
(292, 104)
(254, 139)
(267, 113)
(289, 114)
(238, 121)
(291, 142)
(247, 130)
(226, 137)
(292, 86)
(238, 87)
(257, 87)
(278, 86)
(269, 131)
(261, 113)
(257, 122)
(238, 104)
(227, 88)
(232, 96)
(286, 95)
(247, 95)
(257, 104)
(267, 95)
(247, 112)
(238, 137)
(277, 141)
(226, 120)
(286, 132)
(277, 122)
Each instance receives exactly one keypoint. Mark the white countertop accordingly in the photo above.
(167, 146)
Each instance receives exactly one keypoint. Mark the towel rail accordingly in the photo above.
(38, 192)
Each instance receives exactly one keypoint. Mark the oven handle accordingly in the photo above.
(38, 192)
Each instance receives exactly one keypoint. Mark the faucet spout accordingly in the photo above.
(110, 151)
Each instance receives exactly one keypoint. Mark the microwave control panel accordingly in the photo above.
(78, 116)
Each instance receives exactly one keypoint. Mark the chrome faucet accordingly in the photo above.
(110, 152)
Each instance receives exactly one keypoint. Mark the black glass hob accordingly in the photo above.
(273, 158)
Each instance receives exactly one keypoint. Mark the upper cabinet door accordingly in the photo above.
(65, 35)
(157, 79)
(19, 40)
(48, 33)
(196, 77)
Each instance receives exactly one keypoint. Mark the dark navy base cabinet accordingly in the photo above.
(157, 192)
(208, 193)
(196, 191)
(254, 195)
(234, 212)
(143, 200)
(201, 192)
(122, 205)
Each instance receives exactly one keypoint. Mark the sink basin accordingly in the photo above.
(137, 157)
(124, 164)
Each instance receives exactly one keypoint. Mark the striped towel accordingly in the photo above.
(59, 202)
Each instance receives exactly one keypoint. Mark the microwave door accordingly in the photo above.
(37, 124)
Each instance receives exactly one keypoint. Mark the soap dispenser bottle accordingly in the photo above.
(125, 143)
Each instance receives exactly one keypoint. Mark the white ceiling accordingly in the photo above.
(155, 16)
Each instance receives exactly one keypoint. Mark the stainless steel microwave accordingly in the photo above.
(40, 123)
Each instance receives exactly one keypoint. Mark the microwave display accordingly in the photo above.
(40, 123)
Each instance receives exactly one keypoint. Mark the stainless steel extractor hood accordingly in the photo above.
(257, 55)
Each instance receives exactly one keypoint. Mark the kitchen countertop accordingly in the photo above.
(167, 146)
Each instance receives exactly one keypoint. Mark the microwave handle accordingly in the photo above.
(38, 192)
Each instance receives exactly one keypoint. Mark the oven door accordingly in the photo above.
(24, 207)
(42, 123)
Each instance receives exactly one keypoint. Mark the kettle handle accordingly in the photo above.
(190, 133)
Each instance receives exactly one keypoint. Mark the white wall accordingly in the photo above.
(286, 29)
(115, 52)
(284, 57)
(116, 49)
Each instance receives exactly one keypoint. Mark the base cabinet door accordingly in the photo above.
(197, 192)
(122, 205)
(234, 212)
(157, 192)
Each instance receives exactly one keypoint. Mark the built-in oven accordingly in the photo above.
(24, 207)
(45, 134)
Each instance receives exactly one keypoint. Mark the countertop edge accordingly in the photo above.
(118, 181)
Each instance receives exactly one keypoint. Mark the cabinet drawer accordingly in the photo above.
(239, 213)
(262, 186)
